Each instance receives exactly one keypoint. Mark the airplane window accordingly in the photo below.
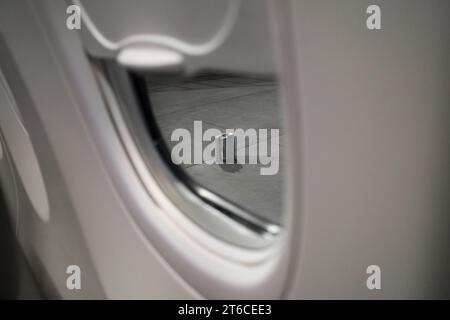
(225, 132)
(214, 143)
